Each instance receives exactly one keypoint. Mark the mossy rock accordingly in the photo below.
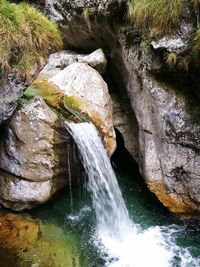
(47, 90)
(70, 107)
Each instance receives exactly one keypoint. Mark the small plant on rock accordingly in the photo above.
(171, 59)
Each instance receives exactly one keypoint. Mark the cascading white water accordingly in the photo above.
(111, 212)
(124, 243)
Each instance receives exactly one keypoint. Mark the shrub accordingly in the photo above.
(160, 15)
(26, 37)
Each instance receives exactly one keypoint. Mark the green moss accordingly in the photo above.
(160, 15)
(144, 43)
(48, 91)
(71, 102)
(26, 37)
(73, 105)
(67, 106)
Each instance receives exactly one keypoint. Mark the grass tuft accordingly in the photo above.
(160, 15)
(26, 37)
(171, 59)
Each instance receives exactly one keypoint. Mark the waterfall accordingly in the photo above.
(123, 243)
(111, 212)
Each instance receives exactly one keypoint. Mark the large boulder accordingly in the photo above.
(35, 153)
(80, 89)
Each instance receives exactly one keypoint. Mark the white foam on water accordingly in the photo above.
(152, 247)
(121, 242)
(80, 215)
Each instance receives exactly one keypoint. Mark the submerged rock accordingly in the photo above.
(26, 242)
(35, 156)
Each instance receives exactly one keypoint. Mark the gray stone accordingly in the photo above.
(19, 194)
(177, 42)
(61, 60)
(126, 123)
(10, 90)
(37, 156)
(169, 137)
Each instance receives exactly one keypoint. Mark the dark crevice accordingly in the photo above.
(122, 158)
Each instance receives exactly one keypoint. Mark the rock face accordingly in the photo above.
(125, 122)
(11, 89)
(169, 129)
(37, 153)
(35, 158)
(163, 99)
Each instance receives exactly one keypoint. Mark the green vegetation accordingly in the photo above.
(157, 18)
(67, 106)
(160, 15)
(26, 37)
